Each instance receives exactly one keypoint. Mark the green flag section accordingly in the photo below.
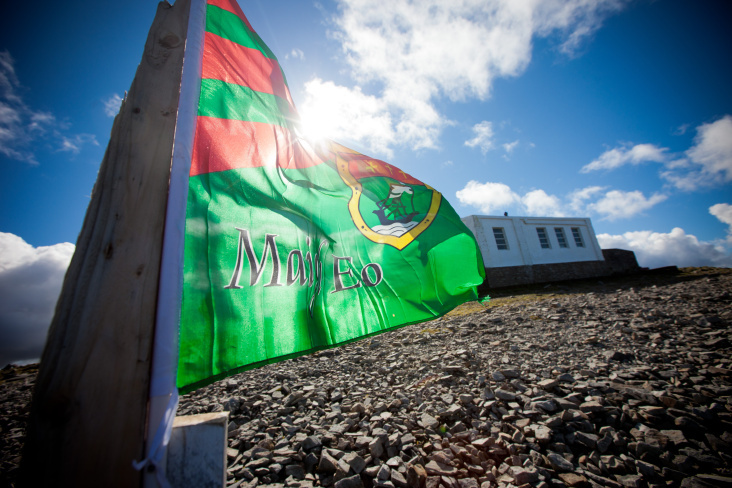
(290, 248)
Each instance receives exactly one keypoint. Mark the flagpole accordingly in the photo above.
(88, 414)
(163, 391)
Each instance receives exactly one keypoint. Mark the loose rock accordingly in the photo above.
(613, 384)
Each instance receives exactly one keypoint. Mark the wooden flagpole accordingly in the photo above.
(88, 415)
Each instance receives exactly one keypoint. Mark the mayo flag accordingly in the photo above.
(291, 247)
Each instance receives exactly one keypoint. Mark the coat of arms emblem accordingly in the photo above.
(387, 205)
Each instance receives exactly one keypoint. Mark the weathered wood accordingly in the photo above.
(196, 455)
(87, 420)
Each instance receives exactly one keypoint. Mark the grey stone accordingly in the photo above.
(429, 421)
(573, 480)
(591, 407)
(468, 483)
(356, 462)
(356, 407)
(524, 475)
(559, 462)
(311, 443)
(543, 434)
(292, 398)
(350, 482)
(259, 463)
(707, 480)
(604, 443)
(505, 395)
(647, 470)
(327, 464)
(630, 480)
(398, 479)
(498, 376)
(588, 440)
(376, 448)
(546, 405)
(436, 468)
(296, 471)
(384, 473)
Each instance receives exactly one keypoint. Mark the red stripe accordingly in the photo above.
(230, 62)
(365, 167)
(222, 144)
(233, 7)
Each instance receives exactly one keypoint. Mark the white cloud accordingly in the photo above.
(683, 178)
(611, 205)
(617, 204)
(39, 121)
(677, 248)
(617, 157)
(295, 54)
(336, 112)
(30, 283)
(17, 121)
(713, 150)
(21, 126)
(510, 146)
(8, 78)
(578, 198)
(75, 143)
(488, 197)
(707, 163)
(409, 54)
(537, 202)
(483, 136)
(112, 105)
(497, 198)
(723, 212)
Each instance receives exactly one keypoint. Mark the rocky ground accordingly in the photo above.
(625, 382)
(16, 388)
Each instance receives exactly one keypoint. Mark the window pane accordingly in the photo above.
(577, 237)
(543, 238)
(559, 231)
(500, 237)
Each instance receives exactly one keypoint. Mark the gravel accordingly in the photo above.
(621, 384)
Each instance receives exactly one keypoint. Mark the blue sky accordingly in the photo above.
(619, 111)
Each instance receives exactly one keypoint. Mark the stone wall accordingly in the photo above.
(620, 261)
(617, 261)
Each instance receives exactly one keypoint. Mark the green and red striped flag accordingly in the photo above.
(291, 248)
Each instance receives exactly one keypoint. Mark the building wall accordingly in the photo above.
(617, 262)
(544, 273)
(524, 248)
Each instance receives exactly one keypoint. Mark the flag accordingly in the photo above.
(291, 247)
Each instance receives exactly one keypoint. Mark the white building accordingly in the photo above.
(521, 250)
(520, 241)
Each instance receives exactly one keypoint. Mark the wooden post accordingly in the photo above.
(197, 451)
(88, 415)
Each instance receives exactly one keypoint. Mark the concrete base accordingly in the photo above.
(197, 451)
(616, 262)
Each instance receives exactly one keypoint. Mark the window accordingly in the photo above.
(561, 239)
(577, 237)
(543, 238)
(500, 237)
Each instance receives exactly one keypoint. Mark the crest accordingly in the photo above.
(387, 205)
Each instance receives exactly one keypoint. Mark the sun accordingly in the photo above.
(316, 125)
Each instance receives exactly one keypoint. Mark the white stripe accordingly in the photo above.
(163, 392)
